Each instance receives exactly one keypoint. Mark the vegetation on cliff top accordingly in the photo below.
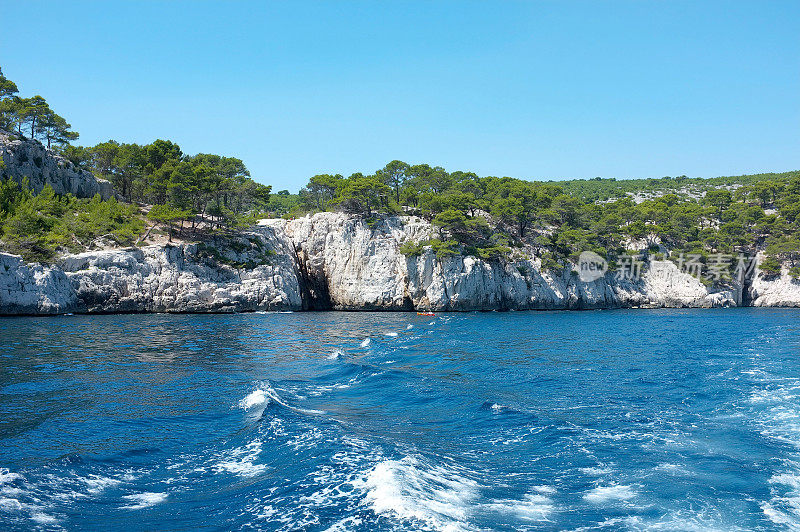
(37, 225)
(212, 189)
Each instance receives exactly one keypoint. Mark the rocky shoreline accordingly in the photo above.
(332, 261)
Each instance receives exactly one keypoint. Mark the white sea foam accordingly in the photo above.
(780, 394)
(409, 327)
(670, 522)
(532, 507)
(778, 517)
(777, 411)
(322, 389)
(603, 494)
(8, 476)
(431, 496)
(337, 354)
(96, 483)
(11, 491)
(308, 439)
(43, 518)
(595, 471)
(675, 469)
(343, 525)
(365, 342)
(143, 500)
(265, 394)
(788, 479)
(307, 410)
(261, 395)
(426, 496)
(784, 506)
(392, 334)
(240, 461)
(338, 477)
(254, 398)
(9, 504)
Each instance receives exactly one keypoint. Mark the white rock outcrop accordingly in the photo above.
(33, 288)
(775, 291)
(255, 273)
(29, 158)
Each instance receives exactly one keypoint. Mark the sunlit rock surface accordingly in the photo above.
(23, 158)
(336, 261)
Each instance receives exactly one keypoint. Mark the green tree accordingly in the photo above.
(33, 112)
(770, 266)
(78, 155)
(159, 153)
(7, 87)
(160, 180)
(394, 176)
(11, 114)
(56, 130)
(9, 103)
(425, 178)
(168, 215)
(764, 192)
(128, 172)
(362, 194)
(720, 199)
(320, 190)
(252, 194)
(103, 156)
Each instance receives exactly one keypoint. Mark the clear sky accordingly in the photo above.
(538, 90)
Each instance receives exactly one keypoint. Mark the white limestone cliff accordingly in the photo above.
(362, 268)
(775, 291)
(256, 273)
(332, 260)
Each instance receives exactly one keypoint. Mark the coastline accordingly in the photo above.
(332, 261)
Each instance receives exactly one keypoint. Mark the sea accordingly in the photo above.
(577, 420)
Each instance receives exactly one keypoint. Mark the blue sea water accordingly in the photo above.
(608, 420)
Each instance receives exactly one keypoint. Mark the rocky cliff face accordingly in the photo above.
(775, 291)
(361, 268)
(28, 158)
(254, 272)
(334, 261)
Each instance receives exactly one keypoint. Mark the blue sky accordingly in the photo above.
(536, 90)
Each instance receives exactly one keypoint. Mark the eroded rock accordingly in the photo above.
(23, 158)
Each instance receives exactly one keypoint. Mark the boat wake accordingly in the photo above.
(264, 395)
(425, 495)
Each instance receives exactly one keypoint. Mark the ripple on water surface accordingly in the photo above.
(665, 419)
